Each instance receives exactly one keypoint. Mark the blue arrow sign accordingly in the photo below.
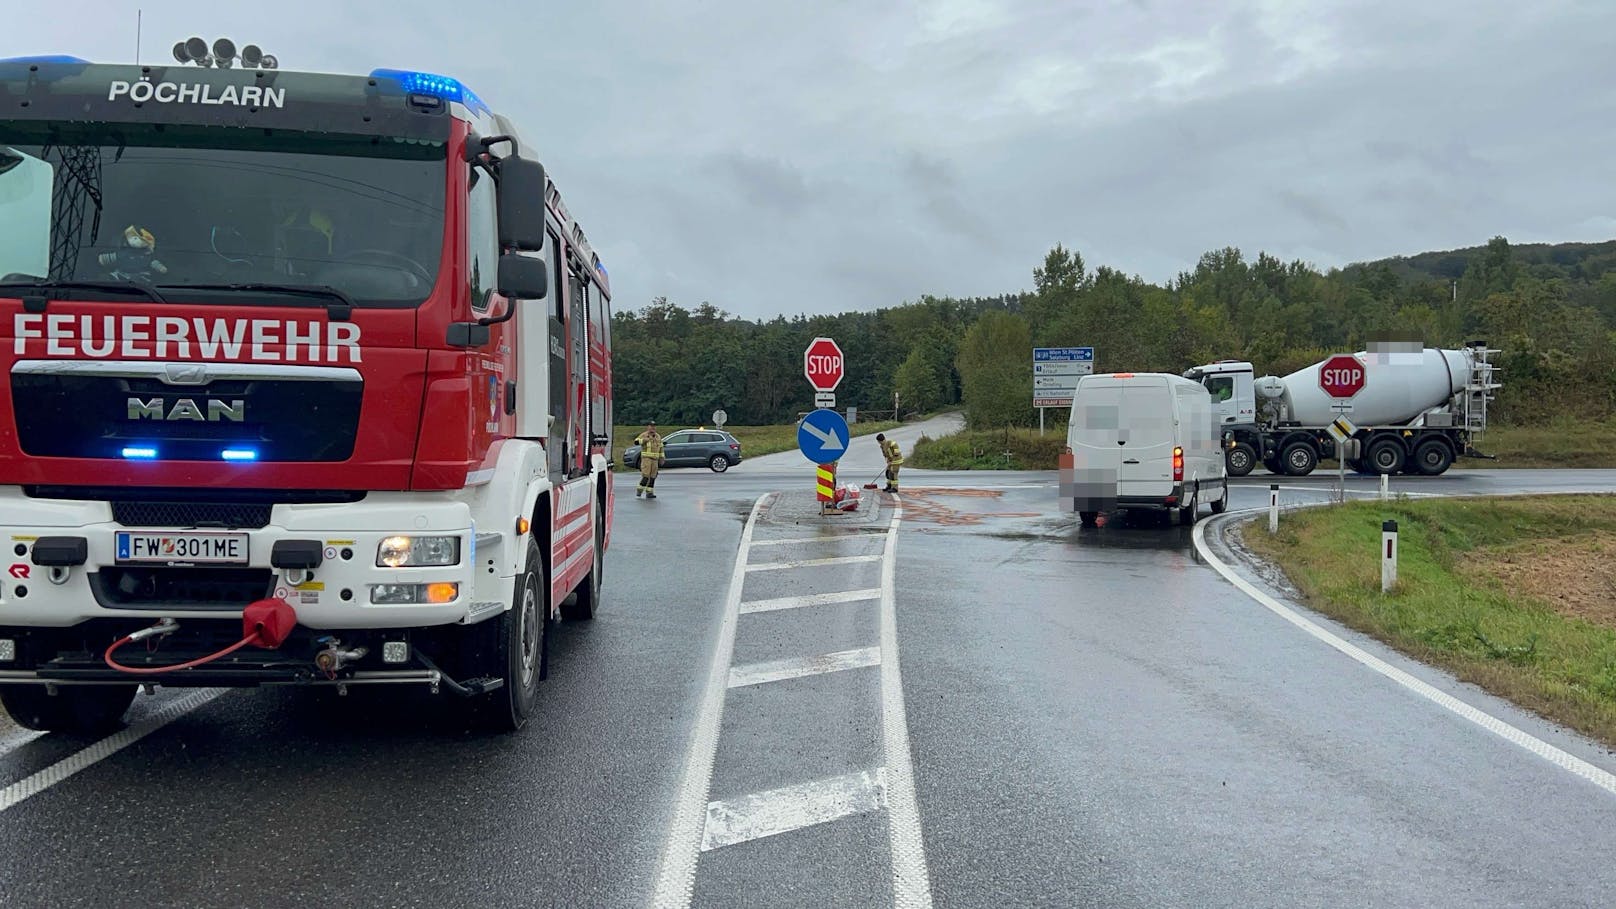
(822, 436)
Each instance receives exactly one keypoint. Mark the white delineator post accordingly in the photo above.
(1388, 556)
(1385, 486)
(1273, 508)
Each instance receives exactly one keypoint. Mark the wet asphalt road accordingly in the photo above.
(1092, 718)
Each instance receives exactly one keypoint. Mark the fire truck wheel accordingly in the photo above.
(520, 651)
(587, 600)
(73, 708)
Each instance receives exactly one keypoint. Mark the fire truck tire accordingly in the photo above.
(583, 606)
(519, 651)
(73, 708)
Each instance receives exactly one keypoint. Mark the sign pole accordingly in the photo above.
(1341, 471)
(822, 435)
(1040, 421)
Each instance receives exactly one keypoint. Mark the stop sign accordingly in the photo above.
(1341, 376)
(822, 364)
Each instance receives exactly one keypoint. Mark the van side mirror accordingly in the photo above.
(523, 277)
(521, 204)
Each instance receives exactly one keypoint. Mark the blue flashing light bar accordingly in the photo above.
(140, 454)
(46, 58)
(419, 83)
(239, 454)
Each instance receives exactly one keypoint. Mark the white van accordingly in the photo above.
(1143, 440)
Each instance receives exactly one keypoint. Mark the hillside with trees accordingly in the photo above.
(1550, 309)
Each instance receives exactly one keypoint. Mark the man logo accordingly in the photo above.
(186, 409)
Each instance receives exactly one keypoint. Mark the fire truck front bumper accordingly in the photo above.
(389, 561)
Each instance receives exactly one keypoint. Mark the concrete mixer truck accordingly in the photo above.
(1415, 411)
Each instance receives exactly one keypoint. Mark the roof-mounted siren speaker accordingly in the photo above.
(195, 51)
(251, 56)
(269, 62)
(224, 52)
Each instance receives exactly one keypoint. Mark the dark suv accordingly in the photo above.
(711, 448)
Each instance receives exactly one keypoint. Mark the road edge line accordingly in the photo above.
(1562, 759)
(911, 884)
(676, 875)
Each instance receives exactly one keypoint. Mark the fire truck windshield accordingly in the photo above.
(169, 206)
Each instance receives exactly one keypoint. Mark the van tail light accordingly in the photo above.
(1178, 465)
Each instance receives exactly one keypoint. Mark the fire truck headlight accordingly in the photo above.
(414, 552)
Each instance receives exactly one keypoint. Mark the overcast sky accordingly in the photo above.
(850, 154)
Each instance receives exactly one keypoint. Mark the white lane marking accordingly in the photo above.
(1601, 778)
(677, 879)
(834, 538)
(103, 749)
(911, 885)
(12, 739)
(800, 667)
(810, 599)
(760, 814)
(813, 563)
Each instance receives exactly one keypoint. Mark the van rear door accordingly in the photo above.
(1092, 435)
(1146, 439)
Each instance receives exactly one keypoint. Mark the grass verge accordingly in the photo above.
(755, 440)
(1562, 443)
(991, 449)
(1517, 594)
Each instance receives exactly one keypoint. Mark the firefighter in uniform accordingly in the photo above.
(651, 458)
(889, 450)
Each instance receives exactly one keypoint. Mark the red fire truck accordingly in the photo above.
(308, 382)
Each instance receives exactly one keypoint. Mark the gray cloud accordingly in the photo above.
(819, 157)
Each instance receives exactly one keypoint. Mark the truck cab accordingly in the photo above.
(1230, 384)
(1232, 387)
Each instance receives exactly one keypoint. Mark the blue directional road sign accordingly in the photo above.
(822, 436)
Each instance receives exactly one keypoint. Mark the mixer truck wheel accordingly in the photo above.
(1432, 457)
(1241, 460)
(1385, 456)
(1299, 459)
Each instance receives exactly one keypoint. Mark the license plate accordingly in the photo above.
(225, 548)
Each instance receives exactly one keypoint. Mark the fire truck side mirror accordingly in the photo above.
(523, 277)
(521, 205)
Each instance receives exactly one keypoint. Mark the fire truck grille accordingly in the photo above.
(117, 417)
(191, 514)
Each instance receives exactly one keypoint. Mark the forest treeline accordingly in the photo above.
(1550, 309)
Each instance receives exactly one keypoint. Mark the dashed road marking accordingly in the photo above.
(1598, 776)
(761, 814)
(800, 667)
(813, 563)
(699, 825)
(810, 599)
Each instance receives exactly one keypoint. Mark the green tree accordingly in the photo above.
(995, 367)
